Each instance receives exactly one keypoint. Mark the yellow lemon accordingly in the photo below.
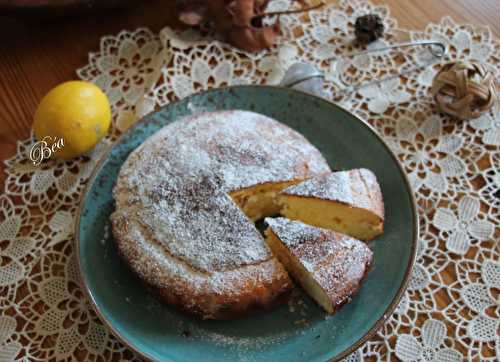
(76, 111)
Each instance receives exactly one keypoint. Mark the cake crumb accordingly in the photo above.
(302, 322)
(105, 235)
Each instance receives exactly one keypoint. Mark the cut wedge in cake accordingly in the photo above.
(260, 201)
(349, 202)
(330, 266)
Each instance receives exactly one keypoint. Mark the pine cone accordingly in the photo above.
(368, 28)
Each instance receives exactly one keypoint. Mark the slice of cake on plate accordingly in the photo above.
(330, 266)
(349, 202)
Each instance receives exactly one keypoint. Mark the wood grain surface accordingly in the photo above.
(36, 55)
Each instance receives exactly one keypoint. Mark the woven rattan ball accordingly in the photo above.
(464, 89)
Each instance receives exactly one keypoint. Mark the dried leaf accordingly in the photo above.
(239, 21)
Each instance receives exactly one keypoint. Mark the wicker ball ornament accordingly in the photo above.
(464, 89)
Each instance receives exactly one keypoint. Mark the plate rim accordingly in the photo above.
(416, 227)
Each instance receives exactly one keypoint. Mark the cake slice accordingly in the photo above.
(349, 202)
(330, 266)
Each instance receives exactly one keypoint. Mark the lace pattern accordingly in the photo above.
(451, 310)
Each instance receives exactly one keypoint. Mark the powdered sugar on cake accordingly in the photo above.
(183, 173)
(172, 194)
(336, 261)
(358, 187)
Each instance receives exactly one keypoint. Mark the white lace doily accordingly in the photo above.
(451, 310)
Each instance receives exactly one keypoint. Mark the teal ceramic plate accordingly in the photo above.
(289, 333)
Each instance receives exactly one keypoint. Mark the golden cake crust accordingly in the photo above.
(336, 263)
(222, 295)
(178, 228)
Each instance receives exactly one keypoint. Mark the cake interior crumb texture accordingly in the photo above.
(260, 201)
(349, 202)
(328, 265)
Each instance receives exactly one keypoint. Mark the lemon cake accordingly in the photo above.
(330, 266)
(349, 202)
(185, 200)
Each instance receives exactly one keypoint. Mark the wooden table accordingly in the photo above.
(35, 56)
